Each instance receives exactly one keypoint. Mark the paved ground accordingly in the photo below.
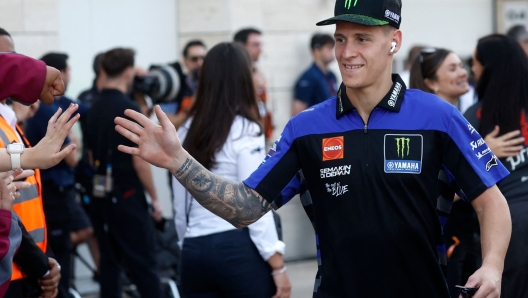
(301, 274)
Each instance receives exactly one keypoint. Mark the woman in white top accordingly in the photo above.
(225, 135)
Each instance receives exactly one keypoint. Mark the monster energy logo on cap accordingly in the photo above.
(349, 2)
(401, 143)
(367, 12)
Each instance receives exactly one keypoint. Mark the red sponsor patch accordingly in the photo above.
(333, 148)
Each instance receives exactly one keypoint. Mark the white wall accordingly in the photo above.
(451, 24)
(88, 27)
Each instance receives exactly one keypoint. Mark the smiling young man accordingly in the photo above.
(371, 158)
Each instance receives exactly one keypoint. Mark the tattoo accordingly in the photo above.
(185, 166)
(231, 200)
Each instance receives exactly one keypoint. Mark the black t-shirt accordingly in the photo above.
(103, 139)
(374, 187)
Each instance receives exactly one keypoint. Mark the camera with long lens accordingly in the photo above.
(163, 83)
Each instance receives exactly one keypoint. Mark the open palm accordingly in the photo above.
(158, 145)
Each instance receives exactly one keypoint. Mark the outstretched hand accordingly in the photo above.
(47, 152)
(158, 145)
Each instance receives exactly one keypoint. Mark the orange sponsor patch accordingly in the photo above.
(333, 148)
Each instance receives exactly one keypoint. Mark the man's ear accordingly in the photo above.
(397, 38)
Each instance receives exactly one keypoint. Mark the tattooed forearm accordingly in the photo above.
(185, 166)
(231, 200)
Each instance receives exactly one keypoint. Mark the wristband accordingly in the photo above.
(281, 271)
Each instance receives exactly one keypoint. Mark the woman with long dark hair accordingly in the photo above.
(224, 133)
(441, 72)
(501, 70)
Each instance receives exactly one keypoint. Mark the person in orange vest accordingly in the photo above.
(30, 265)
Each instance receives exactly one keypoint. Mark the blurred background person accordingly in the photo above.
(31, 254)
(88, 96)
(520, 34)
(63, 213)
(193, 56)
(251, 38)
(441, 72)
(317, 83)
(126, 232)
(501, 69)
(413, 54)
(243, 259)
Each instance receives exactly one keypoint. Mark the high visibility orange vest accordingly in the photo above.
(29, 205)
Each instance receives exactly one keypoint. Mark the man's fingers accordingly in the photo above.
(138, 117)
(162, 118)
(128, 150)
(129, 125)
(128, 134)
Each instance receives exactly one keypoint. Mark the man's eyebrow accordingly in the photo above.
(359, 34)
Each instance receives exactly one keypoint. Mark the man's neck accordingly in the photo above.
(365, 99)
(321, 65)
(117, 84)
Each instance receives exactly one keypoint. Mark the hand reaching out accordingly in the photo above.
(47, 152)
(506, 145)
(158, 145)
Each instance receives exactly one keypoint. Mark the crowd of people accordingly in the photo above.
(412, 182)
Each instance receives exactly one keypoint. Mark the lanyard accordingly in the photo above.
(188, 206)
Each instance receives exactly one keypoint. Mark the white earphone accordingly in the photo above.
(394, 45)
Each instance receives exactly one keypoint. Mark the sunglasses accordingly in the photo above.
(423, 55)
(195, 58)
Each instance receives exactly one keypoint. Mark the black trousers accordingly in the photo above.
(224, 264)
(57, 203)
(126, 237)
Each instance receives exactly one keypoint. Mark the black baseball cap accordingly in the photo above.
(367, 12)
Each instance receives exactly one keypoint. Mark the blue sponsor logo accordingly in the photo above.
(403, 166)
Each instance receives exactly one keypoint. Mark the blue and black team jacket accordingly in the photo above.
(374, 187)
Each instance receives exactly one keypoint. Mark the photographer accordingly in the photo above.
(127, 232)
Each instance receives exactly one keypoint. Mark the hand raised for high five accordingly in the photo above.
(158, 145)
(47, 152)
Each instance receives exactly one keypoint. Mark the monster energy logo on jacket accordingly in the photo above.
(400, 157)
(401, 144)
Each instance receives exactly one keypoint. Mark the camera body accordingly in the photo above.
(163, 84)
